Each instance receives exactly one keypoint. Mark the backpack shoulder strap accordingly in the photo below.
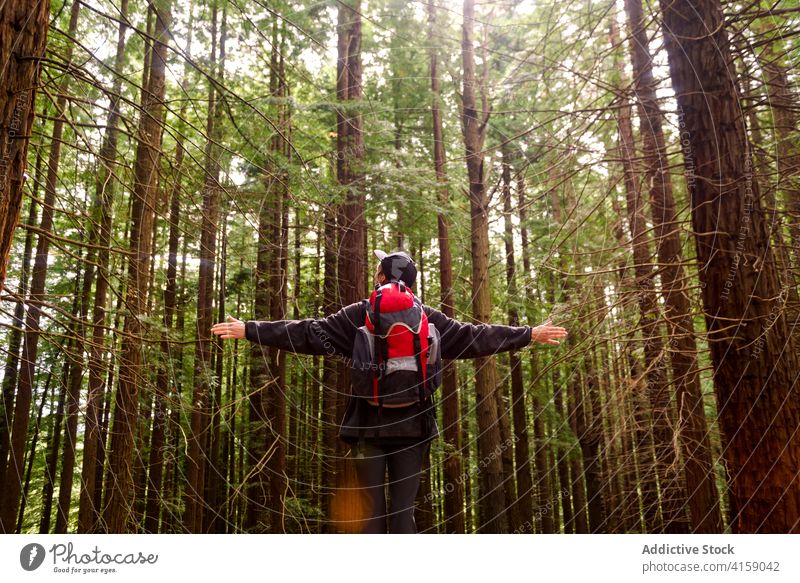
(381, 348)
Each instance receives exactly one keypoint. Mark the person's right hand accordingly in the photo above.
(232, 328)
(547, 333)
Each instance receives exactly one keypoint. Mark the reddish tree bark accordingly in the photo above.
(131, 374)
(662, 465)
(32, 452)
(698, 470)
(88, 512)
(350, 217)
(23, 36)
(782, 105)
(19, 434)
(755, 362)
(11, 372)
(493, 504)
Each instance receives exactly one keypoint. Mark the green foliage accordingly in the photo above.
(551, 83)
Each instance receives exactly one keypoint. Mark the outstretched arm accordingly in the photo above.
(462, 340)
(332, 336)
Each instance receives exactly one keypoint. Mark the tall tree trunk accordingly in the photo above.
(304, 426)
(144, 397)
(782, 98)
(315, 477)
(166, 390)
(755, 363)
(268, 400)
(672, 503)
(32, 453)
(561, 453)
(493, 504)
(575, 518)
(466, 476)
(77, 332)
(53, 449)
(23, 30)
(152, 469)
(141, 441)
(19, 434)
(454, 491)
(297, 444)
(565, 484)
(352, 229)
(591, 437)
(281, 149)
(11, 371)
(88, 513)
(214, 520)
(199, 438)
(69, 399)
(106, 405)
(782, 103)
(216, 487)
(350, 153)
(642, 450)
(229, 447)
(166, 395)
(613, 410)
(763, 173)
(544, 501)
(147, 395)
(578, 464)
(507, 457)
(655, 374)
(329, 465)
(701, 489)
(174, 462)
(132, 373)
(523, 513)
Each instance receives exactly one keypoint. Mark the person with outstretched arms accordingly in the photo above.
(394, 346)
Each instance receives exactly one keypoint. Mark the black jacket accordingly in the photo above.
(334, 336)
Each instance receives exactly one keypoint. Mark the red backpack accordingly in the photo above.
(396, 353)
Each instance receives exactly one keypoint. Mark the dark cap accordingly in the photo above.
(398, 266)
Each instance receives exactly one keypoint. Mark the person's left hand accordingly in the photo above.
(233, 328)
(547, 333)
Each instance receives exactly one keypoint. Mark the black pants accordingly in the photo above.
(404, 463)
